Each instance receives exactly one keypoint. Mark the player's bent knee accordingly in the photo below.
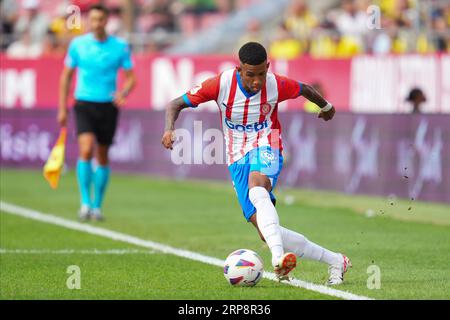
(102, 158)
(257, 179)
(103, 163)
(102, 155)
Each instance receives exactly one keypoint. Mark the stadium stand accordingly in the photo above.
(325, 29)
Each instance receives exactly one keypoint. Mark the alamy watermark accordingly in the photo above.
(374, 17)
(73, 20)
(74, 280)
(374, 279)
(208, 147)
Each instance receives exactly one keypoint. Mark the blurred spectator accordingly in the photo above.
(84, 5)
(416, 97)
(387, 7)
(60, 31)
(159, 15)
(404, 14)
(199, 12)
(285, 46)
(156, 25)
(199, 6)
(441, 36)
(400, 42)
(25, 47)
(447, 14)
(115, 22)
(33, 22)
(300, 21)
(9, 13)
(333, 45)
(335, 29)
(324, 45)
(225, 6)
(347, 47)
(351, 22)
(254, 34)
(53, 46)
(423, 45)
(383, 39)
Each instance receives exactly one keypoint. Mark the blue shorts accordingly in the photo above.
(263, 159)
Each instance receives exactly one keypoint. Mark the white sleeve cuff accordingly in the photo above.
(327, 107)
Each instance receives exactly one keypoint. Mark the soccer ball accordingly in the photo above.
(243, 267)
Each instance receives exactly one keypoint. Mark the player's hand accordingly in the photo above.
(327, 115)
(62, 117)
(119, 99)
(168, 139)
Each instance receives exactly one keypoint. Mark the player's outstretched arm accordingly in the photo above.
(172, 111)
(328, 111)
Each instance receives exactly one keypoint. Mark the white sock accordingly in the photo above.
(268, 222)
(303, 248)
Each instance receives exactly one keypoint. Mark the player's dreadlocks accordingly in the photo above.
(252, 53)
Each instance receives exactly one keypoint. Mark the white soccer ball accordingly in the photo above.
(243, 267)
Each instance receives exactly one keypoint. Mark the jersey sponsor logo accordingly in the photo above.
(254, 127)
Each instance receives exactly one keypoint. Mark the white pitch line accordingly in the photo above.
(117, 236)
(76, 251)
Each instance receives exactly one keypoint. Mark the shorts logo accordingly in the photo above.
(265, 109)
(268, 155)
(254, 127)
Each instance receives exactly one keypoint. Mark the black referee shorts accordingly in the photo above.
(97, 118)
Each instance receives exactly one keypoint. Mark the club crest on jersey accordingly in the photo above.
(195, 89)
(265, 108)
(254, 127)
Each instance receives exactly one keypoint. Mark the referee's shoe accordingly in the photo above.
(96, 214)
(84, 213)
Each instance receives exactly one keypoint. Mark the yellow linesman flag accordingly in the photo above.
(55, 162)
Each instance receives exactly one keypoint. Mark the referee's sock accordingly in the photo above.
(84, 176)
(101, 178)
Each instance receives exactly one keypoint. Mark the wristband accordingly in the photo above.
(328, 107)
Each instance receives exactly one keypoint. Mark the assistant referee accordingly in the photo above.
(98, 58)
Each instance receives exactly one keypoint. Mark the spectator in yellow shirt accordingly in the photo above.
(285, 46)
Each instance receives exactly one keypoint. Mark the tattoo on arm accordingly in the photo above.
(172, 111)
(312, 95)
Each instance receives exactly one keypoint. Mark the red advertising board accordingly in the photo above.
(362, 84)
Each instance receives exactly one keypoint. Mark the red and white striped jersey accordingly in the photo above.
(249, 120)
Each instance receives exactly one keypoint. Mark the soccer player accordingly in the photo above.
(248, 97)
(98, 57)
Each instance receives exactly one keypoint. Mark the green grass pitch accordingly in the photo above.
(411, 247)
